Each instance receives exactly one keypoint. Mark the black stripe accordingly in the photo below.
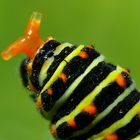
(131, 128)
(117, 113)
(44, 53)
(135, 135)
(83, 119)
(110, 93)
(23, 72)
(107, 96)
(102, 101)
(57, 60)
(71, 71)
(64, 130)
(49, 100)
(90, 81)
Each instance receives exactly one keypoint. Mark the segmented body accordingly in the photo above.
(82, 95)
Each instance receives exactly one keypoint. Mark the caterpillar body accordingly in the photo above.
(83, 96)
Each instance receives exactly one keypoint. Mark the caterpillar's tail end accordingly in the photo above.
(29, 42)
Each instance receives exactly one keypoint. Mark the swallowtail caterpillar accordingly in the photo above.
(83, 96)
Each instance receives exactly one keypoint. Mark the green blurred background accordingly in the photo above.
(113, 26)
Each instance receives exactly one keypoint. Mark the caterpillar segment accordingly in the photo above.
(83, 96)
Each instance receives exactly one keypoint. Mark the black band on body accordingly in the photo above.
(129, 130)
(108, 95)
(57, 60)
(72, 70)
(44, 53)
(90, 81)
(117, 113)
(23, 72)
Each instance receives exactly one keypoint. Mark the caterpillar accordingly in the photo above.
(83, 96)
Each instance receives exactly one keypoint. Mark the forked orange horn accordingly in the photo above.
(29, 42)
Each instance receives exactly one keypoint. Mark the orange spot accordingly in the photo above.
(121, 81)
(49, 38)
(31, 87)
(50, 91)
(63, 77)
(72, 123)
(138, 115)
(91, 109)
(53, 130)
(39, 103)
(112, 137)
(29, 68)
(126, 71)
(90, 47)
(83, 55)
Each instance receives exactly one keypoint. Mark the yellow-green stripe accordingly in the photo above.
(61, 66)
(90, 97)
(49, 61)
(136, 138)
(106, 111)
(72, 87)
(120, 123)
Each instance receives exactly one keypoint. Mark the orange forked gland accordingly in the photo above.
(91, 109)
(111, 137)
(83, 55)
(29, 43)
(121, 81)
